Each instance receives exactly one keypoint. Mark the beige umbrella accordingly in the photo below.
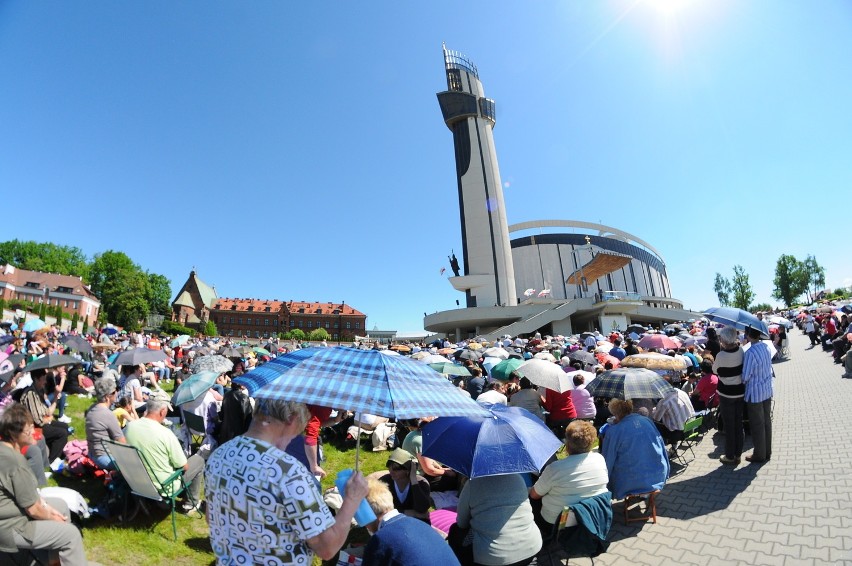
(653, 361)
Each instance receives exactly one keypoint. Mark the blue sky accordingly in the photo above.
(297, 151)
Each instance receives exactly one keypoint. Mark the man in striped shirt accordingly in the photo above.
(757, 377)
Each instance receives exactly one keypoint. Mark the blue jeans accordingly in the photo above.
(104, 462)
(60, 405)
(164, 373)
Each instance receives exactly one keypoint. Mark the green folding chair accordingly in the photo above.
(133, 467)
(691, 435)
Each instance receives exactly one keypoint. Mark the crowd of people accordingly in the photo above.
(256, 473)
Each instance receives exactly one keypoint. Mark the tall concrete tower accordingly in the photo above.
(489, 276)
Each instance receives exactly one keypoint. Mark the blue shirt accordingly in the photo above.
(757, 373)
(404, 541)
(635, 456)
(618, 352)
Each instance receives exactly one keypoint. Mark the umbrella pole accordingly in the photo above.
(358, 450)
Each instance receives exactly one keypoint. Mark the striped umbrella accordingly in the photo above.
(364, 381)
(359, 380)
(629, 383)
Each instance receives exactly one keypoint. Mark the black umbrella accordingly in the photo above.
(138, 356)
(271, 347)
(77, 343)
(467, 355)
(8, 367)
(584, 357)
(8, 339)
(637, 328)
(231, 352)
(52, 361)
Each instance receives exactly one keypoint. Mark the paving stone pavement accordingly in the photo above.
(794, 510)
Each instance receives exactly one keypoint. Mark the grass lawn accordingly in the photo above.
(148, 539)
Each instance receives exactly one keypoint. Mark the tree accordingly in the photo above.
(760, 307)
(47, 257)
(75, 320)
(297, 334)
(85, 325)
(122, 287)
(160, 294)
(210, 329)
(318, 335)
(790, 280)
(59, 315)
(723, 290)
(814, 274)
(741, 289)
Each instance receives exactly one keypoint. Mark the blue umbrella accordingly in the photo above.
(509, 440)
(194, 387)
(737, 318)
(179, 341)
(110, 330)
(358, 380)
(34, 324)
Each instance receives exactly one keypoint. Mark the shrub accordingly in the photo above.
(170, 327)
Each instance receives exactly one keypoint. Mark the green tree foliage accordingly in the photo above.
(48, 257)
(790, 280)
(2, 304)
(210, 329)
(85, 325)
(75, 320)
(722, 287)
(122, 287)
(741, 289)
(160, 294)
(176, 329)
(59, 315)
(297, 334)
(814, 274)
(760, 307)
(318, 335)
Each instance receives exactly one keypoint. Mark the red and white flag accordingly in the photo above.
(529, 292)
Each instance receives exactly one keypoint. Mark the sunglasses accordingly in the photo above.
(395, 467)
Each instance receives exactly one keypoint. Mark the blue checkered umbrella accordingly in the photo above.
(359, 380)
(629, 383)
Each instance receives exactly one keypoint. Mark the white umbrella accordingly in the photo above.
(389, 352)
(546, 374)
(420, 355)
(604, 346)
(772, 349)
(433, 359)
(489, 363)
(496, 353)
(547, 356)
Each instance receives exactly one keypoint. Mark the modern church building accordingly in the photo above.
(551, 276)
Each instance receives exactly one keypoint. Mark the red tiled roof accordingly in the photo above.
(20, 277)
(258, 305)
(322, 308)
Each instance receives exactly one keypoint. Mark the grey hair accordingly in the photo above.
(281, 410)
(156, 403)
(379, 497)
(729, 336)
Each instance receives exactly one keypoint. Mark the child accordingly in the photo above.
(124, 411)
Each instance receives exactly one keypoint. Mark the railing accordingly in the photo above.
(455, 60)
(605, 296)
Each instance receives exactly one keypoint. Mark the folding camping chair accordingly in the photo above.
(194, 428)
(691, 435)
(133, 467)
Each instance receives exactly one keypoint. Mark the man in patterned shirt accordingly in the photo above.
(263, 506)
(757, 376)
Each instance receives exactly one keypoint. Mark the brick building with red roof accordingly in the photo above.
(259, 318)
(66, 291)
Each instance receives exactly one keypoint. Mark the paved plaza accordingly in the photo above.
(794, 510)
